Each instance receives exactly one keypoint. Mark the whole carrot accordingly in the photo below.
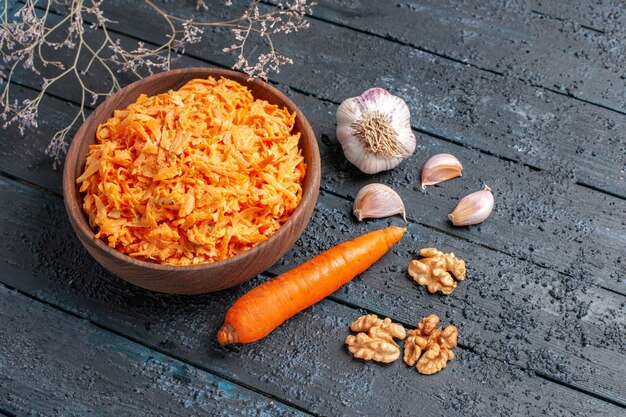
(267, 306)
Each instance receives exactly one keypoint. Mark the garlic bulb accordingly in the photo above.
(374, 130)
(473, 208)
(375, 201)
(439, 168)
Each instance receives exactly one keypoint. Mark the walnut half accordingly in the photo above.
(377, 344)
(430, 346)
(435, 270)
(366, 322)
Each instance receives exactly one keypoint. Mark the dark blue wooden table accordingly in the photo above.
(530, 95)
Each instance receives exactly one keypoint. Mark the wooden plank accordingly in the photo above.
(329, 112)
(539, 216)
(594, 231)
(537, 211)
(465, 105)
(602, 233)
(54, 364)
(552, 286)
(604, 15)
(531, 200)
(511, 310)
(508, 311)
(507, 39)
(24, 157)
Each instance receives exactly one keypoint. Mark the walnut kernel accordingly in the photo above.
(434, 360)
(436, 269)
(378, 343)
(366, 322)
(368, 347)
(417, 340)
(429, 346)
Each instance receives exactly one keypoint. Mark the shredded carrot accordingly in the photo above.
(193, 176)
(264, 308)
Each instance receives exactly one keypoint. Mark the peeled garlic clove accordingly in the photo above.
(374, 130)
(473, 208)
(439, 168)
(375, 201)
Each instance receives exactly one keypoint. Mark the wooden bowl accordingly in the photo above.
(194, 279)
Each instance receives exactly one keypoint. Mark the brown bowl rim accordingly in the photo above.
(310, 184)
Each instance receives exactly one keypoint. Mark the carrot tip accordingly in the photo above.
(397, 232)
(226, 335)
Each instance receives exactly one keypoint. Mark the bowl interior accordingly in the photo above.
(172, 80)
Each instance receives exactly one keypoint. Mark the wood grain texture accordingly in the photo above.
(81, 369)
(542, 216)
(24, 157)
(507, 40)
(499, 115)
(321, 114)
(528, 333)
(603, 15)
(508, 311)
(313, 369)
(525, 287)
(197, 278)
(526, 203)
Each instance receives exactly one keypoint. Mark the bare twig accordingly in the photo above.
(33, 34)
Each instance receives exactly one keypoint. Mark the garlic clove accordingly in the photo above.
(439, 168)
(376, 201)
(473, 208)
(374, 130)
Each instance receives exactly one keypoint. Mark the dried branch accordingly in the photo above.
(34, 37)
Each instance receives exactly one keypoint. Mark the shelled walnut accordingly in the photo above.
(436, 269)
(368, 321)
(378, 343)
(430, 346)
(417, 340)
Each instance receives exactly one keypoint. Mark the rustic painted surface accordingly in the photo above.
(54, 363)
(542, 315)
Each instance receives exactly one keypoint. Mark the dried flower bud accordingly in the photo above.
(439, 168)
(376, 201)
(473, 208)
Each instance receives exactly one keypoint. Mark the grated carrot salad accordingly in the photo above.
(193, 176)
